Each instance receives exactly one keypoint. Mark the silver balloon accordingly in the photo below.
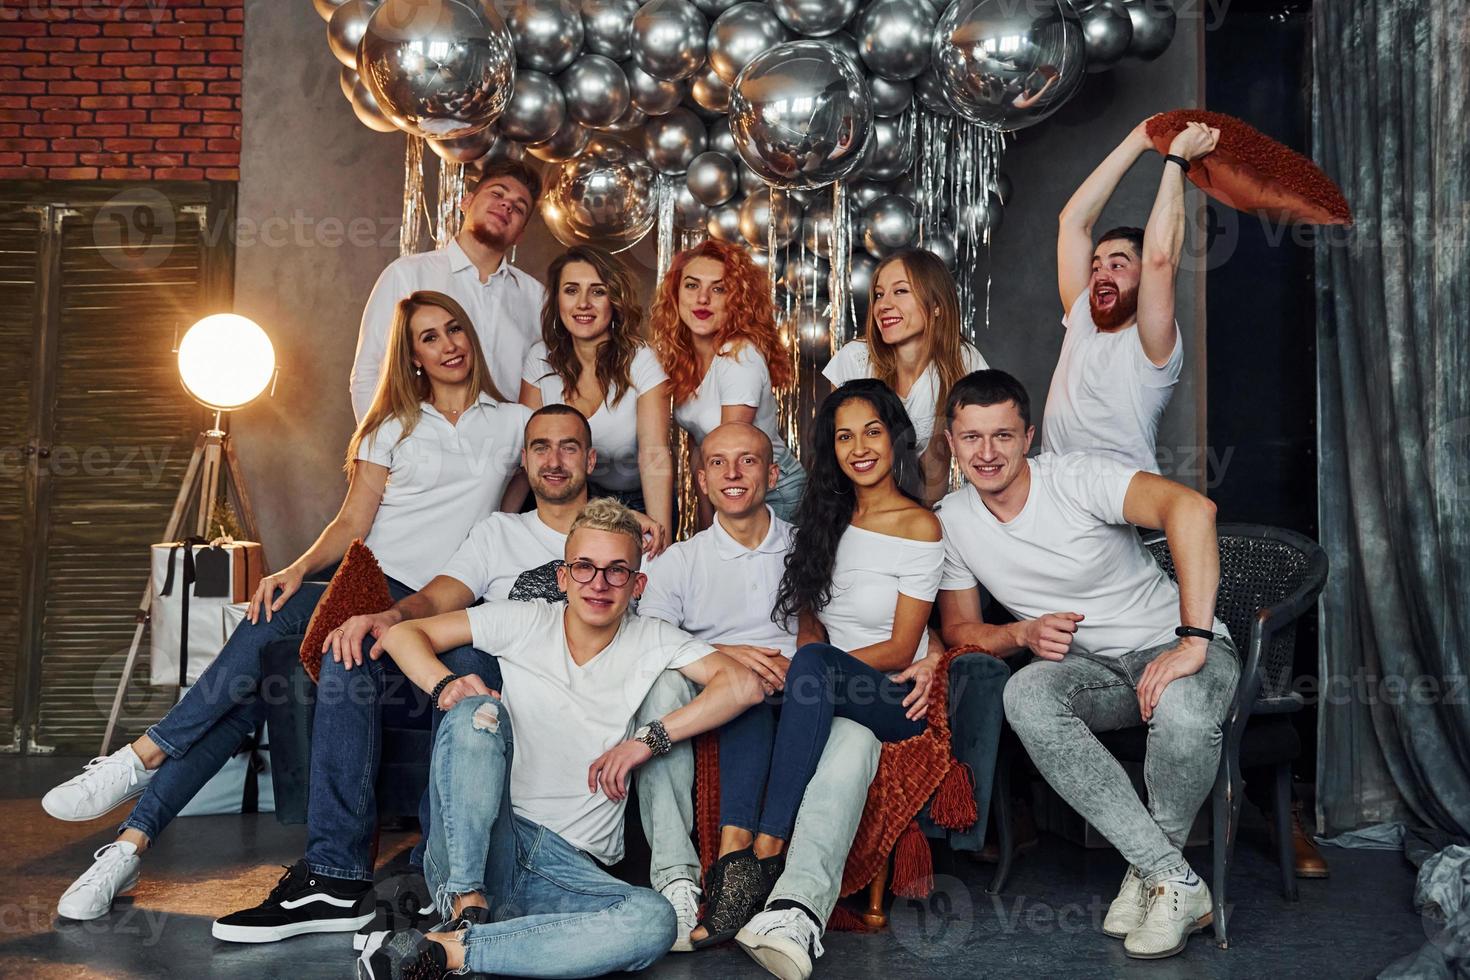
(888, 224)
(504, 148)
(1003, 188)
(929, 90)
(713, 8)
(816, 227)
(806, 275)
(712, 178)
(847, 44)
(985, 213)
(894, 37)
(755, 218)
(1006, 66)
(720, 138)
(1153, 28)
(800, 115)
(438, 68)
(1106, 32)
(654, 96)
(464, 149)
(537, 108)
(633, 119)
(369, 113)
(607, 27)
(572, 138)
(814, 18)
(669, 39)
(724, 223)
(750, 181)
(347, 78)
(606, 196)
(674, 140)
(891, 150)
(548, 33)
(741, 33)
(861, 193)
(596, 90)
(941, 241)
(345, 28)
(862, 269)
(889, 97)
(710, 91)
(326, 8)
(689, 212)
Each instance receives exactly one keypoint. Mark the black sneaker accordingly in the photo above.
(400, 902)
(300, 903)
(407, 955)
(467, 919)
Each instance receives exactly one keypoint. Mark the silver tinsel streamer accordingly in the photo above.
(668, 189)
(840, 248)
(451, 192)
(687, 502)
(412, 228)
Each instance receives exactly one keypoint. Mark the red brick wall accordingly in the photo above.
(120, 89)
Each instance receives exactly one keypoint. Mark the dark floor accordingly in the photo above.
(1045, 924)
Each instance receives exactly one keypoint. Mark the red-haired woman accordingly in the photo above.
(715, 333)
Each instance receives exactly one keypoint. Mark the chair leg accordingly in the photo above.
(1005, 824)
(1220, 851)
(1285, 851)
(874, 917)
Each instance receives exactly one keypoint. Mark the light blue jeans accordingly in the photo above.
(826, 823)
(555, 911)
(785, 500)
(1056, 705)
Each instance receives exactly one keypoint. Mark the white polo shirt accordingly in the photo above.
(854, 361)
(442, 479)
(614, 426)
(500, 548)
(1106, 396)
(505, 310)
(1070, 549)
(715, 588)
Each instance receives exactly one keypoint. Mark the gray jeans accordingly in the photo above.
(1056, 705)
(826, 823)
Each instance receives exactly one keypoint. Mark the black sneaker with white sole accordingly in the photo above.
(407, 955)
(301, 903)
(400, 902)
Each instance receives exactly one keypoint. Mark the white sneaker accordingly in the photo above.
(1126, 912)
(104, 783)
(1176, 911)
(683, 895)
(114, 871)
(784, 941)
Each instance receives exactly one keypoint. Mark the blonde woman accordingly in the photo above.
(431, 456)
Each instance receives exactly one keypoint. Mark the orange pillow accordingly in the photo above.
(1250, 171)
(358, 588)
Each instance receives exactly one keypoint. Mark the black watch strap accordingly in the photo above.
(1194, 631)
(439, 689)
(1175, 158)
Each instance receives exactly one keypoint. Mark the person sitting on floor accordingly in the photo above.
(433, 455)
(1118, 643)
(529, 788)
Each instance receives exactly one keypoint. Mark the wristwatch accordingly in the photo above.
(1184, 631)
(655, 736)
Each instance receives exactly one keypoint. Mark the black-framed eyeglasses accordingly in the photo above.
(583, 571)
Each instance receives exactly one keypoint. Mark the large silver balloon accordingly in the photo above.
(345, 28)
(741, 33)
(712, 178)
(814, 18)
(894, 37)
(606, 196)
(724, 223)
(1006, 65)
(654, 96)
(889, 97)
(713, 8)
(800, 114)
(548, 33)
(438, 68)
(369, 113)
(596, 90)
(326, 8)
(674, 140)
(669, 39)
(931, 95)
(720, 138)
(537, 108)
(891, 149)
(347, 78)
(888, 224)
(607, 27)
(504, 148)
(806, 275)
(755, 218)
(862, 268)
(710, 91)
(1153, 28)
(572, 138)
(861, 193)
(689, 212)
(464, 149)
(1106, 32)
(633, 119)
(941, 241)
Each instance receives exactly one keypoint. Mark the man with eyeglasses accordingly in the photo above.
(529, 789)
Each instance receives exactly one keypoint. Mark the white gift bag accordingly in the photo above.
(243, 785)
(194, 583)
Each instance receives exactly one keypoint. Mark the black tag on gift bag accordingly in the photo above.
(212, 573)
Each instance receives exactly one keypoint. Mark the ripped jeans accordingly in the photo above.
(555, 912)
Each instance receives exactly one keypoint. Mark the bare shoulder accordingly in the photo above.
(915, 522)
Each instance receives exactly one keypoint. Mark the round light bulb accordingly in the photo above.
(226, 361)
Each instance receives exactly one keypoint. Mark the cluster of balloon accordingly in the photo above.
(746, 110)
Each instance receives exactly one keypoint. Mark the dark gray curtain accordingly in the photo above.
(1390, 84)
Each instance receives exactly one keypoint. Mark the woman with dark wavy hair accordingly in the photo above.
(860, 580)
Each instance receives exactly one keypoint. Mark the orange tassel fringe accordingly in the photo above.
(913, 864)
(953, 806)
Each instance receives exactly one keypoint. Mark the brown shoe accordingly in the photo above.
(1309, 862)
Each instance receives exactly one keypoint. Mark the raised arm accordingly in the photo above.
(1075, 225)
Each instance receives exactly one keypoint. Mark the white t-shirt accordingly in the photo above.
(442, 480)
(614, 426)
(868, 574)
(736, 377)
(500, 549)
(1070, 549)
(1106, 396)
(505, 310)
(564, 716)
(719, 590)
(922, 402)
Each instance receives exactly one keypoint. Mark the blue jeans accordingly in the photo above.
(216, 714)
(556, 912)
(822, 683)
(346, 746)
